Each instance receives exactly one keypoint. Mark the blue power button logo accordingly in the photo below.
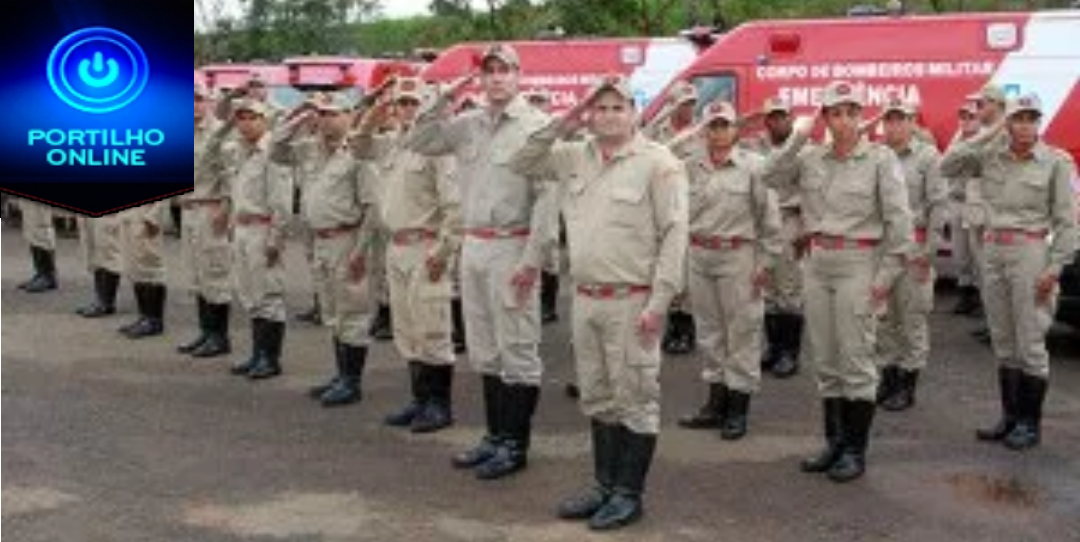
(98, 70)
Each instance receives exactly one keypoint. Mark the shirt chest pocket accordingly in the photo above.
(1032, 187)
(627, 203)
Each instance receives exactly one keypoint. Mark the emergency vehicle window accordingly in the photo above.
(715, 87)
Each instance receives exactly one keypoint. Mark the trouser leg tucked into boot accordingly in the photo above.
(1009, 395)
(106, 284)
(512, 453)
(151, 301)
(348, 388)
(217, 341)
(834, 438)
(904, 396)
(44, 278)
(858, 416)
(201, 307)
(605, 440)
(626, 505)
(269, 363)
(418, 388)
(493, 412)
(711, 414)
(436, 412)
(1027, 432)
(737, 417)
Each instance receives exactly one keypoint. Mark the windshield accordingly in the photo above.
(716, 87)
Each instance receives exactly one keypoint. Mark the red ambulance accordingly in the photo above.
(932, 61)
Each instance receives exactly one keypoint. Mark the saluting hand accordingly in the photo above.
(804, 126)
(151, 229)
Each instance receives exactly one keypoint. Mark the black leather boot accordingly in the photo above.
(1027, 433)
(457, 318)
(626, 505)
(106, 284)
(711, 414)
(204, 328)
(605, 470)
(773, 343)
(969, 303)
(44, 278)
(858, 416)
(790, 331)
(549, 297)
(258, 329)
(217, 341)
(512, 452)
(737, 417)
(268, 364)
(493, 413)
(419, 388)
(347, 390)
(437, 413)
(151, 301)
(316, 392)
(382, 325)
(834, 438)
(1009, 395)
(904, 397)
(889, 383)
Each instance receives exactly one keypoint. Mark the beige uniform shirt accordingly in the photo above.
(928, 193)
(788, 196)
(210, 170)
(626, 218)
(258, 186)
(862, 197)
(731, 201)
(492, 194)
(419, 192)
(1031, 194)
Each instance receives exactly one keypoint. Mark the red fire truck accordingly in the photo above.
(567, 69)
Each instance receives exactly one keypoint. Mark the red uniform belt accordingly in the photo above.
(412, 237)
(489, 234)
(254, 220)
(330, 233)
(1013, 237)
(607, 291)
(717, 243)
(828, 242)
(193, 203)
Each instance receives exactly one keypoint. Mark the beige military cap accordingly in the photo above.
(1028, 103)
(501, 52)
(841, 92)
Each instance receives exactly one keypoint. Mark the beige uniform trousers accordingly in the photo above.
(729, 316)
(143, 255)
(841, 322)
(377, 281)
(345, 304)
(1018, 323)
(37, 224)
(904, 334)
(208, 254)
(420, 307)
(99, 239)
(259, 287)
(503, 339)
(619, 378)
(784, 293)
